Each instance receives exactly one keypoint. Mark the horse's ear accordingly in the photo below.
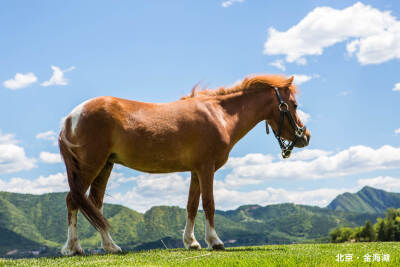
(290, 80)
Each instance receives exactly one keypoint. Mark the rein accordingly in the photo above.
(286, 146)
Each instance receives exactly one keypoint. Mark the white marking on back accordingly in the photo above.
(76, 114)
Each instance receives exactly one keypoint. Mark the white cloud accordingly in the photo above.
(12, 156)
(397, 131)
(279, 64)
(304, 117)
(20, 81)
(249, 159)
(231, 199)
(372, 35)
(48, 157)
(49, 135)
(396, 87)
(354, 160)
(301, 78)
(386, 183)
(230, 2)
(58, 76)
(44, 184)
(307, 154)
(117, 178)
(344, 93)
(154, 189)
(172, 189)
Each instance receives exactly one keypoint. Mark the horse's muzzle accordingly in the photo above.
(304, 141)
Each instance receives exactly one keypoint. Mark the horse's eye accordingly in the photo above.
(295, 106)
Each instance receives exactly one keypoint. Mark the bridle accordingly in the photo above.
(286, 146)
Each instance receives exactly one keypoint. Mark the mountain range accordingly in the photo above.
(29, 222)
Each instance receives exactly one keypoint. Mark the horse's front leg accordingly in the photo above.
(189, 240)
(206, 178)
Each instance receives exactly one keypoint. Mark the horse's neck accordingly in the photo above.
(243, 112)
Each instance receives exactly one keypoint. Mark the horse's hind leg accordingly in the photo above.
(96, 195)
(189, 240)
(72, 245)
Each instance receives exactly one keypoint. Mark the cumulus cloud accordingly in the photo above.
(304, 117)
(173, 189)
(231, 199)
(386, 183)
(12, 156)
(230, 2)
(117, 179)
(396, 87)
(48, 157)
(354, 160)
(301, 78)
(397, 131)
(20, 81)
(58, 76)
(308, 154)
(152, 190)
(278, 64)
(373, 36)
(44, 184)
(49, 136)
(255, 169)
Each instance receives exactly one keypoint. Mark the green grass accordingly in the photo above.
(273, 255)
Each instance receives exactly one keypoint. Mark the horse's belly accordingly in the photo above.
(155, 166)
(153, 162)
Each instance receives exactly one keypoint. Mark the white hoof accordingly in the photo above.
(191, 243)
(112, 248)
(215, 244)
(72, 249)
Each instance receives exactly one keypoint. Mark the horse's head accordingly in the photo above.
(284, 120)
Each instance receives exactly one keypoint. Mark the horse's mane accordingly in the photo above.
(247, 84)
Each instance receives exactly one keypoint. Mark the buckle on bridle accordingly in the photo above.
(283, 104)
(299, 132)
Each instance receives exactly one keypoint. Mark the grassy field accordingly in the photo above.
(272, 255)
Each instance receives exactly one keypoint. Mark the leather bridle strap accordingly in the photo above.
(287, 146)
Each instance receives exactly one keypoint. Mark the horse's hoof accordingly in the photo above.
(113, 249)
(195, 247)
(218, 247)
(78, 253)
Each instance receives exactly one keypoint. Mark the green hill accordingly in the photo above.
(30, 221)
(367, 200)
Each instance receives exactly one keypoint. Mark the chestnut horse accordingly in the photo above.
(195, 133)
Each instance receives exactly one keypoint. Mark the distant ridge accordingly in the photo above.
(367, 200)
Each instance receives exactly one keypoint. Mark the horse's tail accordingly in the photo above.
(77, 193)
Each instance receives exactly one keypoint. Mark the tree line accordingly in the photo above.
(385, 229)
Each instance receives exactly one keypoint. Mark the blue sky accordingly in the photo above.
(344, 55)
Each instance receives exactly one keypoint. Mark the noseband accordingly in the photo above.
(286, 146)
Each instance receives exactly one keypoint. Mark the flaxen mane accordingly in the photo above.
(248, 83)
